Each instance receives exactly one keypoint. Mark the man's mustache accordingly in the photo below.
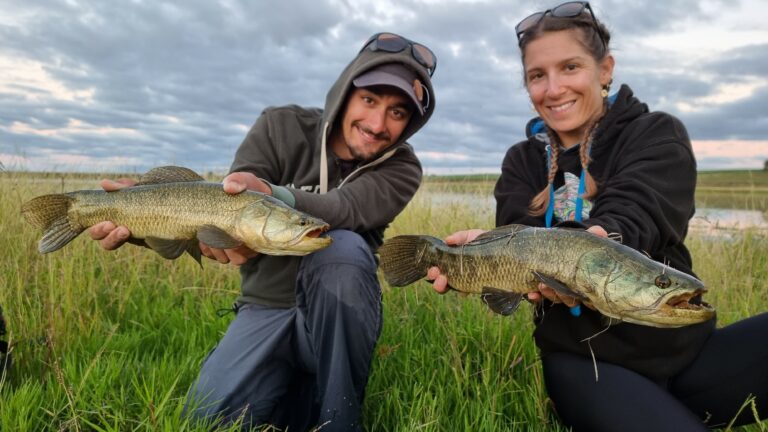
(384, 135)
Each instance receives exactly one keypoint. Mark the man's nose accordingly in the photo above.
(377, 121)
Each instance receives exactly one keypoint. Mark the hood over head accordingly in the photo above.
(361, 68)
(399, 76)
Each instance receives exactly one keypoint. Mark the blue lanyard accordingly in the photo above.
(575, 310)
(551, 205)
(579, 200)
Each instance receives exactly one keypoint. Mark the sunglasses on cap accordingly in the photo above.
(565, 10)
(390, 42)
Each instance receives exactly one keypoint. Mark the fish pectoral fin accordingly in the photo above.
(500, 301)
(168, 249)
(217, 237)
(558, 286)
(169, 174)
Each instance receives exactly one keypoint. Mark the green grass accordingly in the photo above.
(111, 341)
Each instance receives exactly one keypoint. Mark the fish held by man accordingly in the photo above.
(504, 264)
(171, 209)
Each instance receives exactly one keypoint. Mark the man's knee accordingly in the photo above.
(344, 271)
(347, 247)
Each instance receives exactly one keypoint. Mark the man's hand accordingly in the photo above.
(440, 282)
(235, 183)
(546, 292)
(110, 236)
(237, 256)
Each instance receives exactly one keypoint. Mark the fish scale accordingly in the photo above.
(172, 209)
(177, 208)
(506, 263)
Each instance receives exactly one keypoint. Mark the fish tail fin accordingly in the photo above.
(49, 213)
(402, 259)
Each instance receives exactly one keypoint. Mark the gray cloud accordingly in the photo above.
(190, 78)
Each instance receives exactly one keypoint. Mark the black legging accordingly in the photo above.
(732, 367)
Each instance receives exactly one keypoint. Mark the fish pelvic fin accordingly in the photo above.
(193, 250)
(49, 213)
(500, 301)
(401, 259)
(172, 249)
(169, 174)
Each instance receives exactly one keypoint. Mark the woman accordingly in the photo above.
(610, 163)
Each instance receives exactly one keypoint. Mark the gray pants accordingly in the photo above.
(307, 365)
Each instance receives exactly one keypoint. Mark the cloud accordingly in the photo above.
(130, 85)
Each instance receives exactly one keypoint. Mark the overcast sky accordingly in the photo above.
(127, 85)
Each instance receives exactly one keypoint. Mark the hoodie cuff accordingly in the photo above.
(283, 194)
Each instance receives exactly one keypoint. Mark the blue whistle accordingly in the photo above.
(576, 310)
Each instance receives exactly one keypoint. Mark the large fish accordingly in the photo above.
(171, 208)
(504, 264)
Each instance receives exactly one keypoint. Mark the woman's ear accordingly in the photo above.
(606, 70)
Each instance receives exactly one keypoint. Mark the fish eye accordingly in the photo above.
(663, 281)
(303, 222)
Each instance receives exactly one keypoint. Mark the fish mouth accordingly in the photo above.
(316, 232)
(311, 238)
(683, 301)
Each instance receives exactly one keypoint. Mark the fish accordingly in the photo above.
(173, 208)
(504, 264)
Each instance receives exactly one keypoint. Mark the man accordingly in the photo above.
(299, 350)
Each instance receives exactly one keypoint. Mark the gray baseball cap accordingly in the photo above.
(396, 75)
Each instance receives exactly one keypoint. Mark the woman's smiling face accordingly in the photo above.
(564, 82)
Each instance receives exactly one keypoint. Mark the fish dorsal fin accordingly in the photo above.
(169, 174)
(168, 249)
(558, 286)
(500, 301)
(498, 233)
(216, 237)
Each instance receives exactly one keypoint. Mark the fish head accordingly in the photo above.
(626, 285)
(271, 227)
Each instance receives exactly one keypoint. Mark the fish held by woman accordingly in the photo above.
(171, 209)
(506, 263)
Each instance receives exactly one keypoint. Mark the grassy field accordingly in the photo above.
(111, 341)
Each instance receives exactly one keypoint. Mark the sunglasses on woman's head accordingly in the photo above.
(565, 10)
(390, 42)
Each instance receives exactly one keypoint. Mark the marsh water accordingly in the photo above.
(705, 219)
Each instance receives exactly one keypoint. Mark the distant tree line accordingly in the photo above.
(765, 165)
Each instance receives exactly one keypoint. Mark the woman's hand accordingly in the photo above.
(440, 282)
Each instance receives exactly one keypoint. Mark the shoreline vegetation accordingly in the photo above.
(111, 341)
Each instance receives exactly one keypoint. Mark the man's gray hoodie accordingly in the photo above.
(288, 147)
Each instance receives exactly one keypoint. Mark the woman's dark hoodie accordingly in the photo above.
(646, 175)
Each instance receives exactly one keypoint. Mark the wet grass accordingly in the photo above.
(112, 341)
